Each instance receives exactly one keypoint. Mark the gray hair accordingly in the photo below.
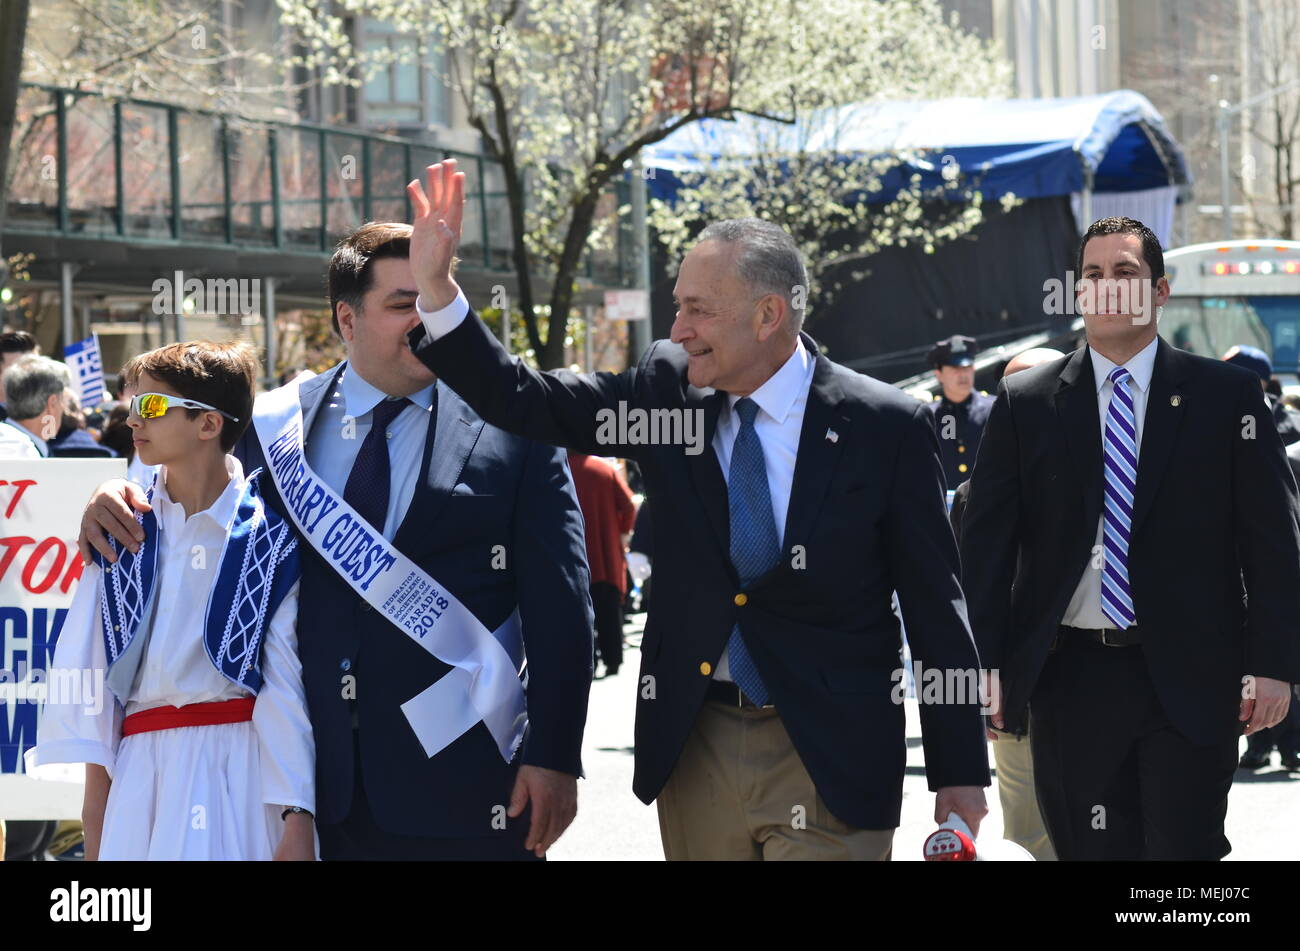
(30, 382)
(767, 260)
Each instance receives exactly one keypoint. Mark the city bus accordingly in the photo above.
(1227, 293)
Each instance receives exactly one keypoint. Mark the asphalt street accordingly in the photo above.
(612, 824)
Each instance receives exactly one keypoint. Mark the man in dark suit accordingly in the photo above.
(791, 497)
(494, 519)
(959, 411)
(1013, 762)
(1130, 553)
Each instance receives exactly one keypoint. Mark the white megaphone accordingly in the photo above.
(953, 842)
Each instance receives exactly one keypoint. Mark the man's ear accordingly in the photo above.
(774, 314)
(347, 318)
(1162, 291)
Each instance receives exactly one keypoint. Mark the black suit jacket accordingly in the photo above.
(866, 517)
(1216, 524)
(481, 493)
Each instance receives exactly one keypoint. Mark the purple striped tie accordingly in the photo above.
(1121, 462)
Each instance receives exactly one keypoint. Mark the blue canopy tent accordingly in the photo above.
(1114, 142)
(1071, 160)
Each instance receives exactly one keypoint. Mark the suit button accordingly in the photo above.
(741, 599)
(961, 447)
(365, 606)
(706, 668)
(961, 467)
(345, 664)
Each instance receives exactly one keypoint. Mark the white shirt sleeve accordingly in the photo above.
(288, 750)
(82, 719)
(444, 321)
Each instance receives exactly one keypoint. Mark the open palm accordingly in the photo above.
(436, 227)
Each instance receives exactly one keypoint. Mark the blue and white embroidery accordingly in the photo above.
(258, 567)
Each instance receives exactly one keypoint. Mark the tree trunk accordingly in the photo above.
(13, 33)
(575, 240)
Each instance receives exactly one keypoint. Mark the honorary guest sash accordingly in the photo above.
(483, 683)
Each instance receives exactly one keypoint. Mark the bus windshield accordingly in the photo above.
(1236, 293)
(1211, 326)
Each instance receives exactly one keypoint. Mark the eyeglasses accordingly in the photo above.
(154, 405)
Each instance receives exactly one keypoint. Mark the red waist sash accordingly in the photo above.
(192, 714)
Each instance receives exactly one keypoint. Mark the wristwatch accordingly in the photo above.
(285, 815)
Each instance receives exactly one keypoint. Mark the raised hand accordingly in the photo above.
(439, 209)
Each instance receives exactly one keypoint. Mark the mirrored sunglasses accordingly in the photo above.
(154, 405)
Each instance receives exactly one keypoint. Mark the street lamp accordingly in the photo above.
(1226, 112)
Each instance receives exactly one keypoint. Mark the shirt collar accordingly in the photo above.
(360, 397)
(41, 445)
(221, 512)
(782, 389)
(1140, 366)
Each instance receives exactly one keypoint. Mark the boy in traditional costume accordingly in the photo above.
(201, 748)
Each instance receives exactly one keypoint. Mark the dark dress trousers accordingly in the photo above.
(866, 518)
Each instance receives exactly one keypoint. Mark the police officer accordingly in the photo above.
(1257, 361)
(959, 412)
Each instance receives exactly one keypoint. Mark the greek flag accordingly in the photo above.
(87, 370)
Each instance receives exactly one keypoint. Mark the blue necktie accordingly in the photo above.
(367, 488)
(1121, 462)
(755, 548)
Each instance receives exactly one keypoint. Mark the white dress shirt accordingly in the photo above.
(139, 473)
(781, 401)
(16, 442)
(444, 321)
(779, 421)
(1084, 609)
(340, 426)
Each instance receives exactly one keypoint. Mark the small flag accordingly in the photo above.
(832, 436)
(87, 369)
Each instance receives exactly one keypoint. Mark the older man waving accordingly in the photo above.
(766, 724)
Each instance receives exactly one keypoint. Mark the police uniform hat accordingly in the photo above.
(956, 351)
(1251, 358)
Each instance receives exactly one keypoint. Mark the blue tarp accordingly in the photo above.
(1032, 147)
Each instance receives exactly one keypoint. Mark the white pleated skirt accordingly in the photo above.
(190, 793)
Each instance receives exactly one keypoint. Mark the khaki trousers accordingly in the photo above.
(739, 792)
(1022, 822)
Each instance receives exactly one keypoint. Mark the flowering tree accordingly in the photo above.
(813, 175)
(566, 93)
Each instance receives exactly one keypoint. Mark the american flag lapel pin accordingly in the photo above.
(832, 436)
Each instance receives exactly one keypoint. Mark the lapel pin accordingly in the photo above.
(832, 436)
(1175, 400)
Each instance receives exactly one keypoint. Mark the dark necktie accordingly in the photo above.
(367, 488)
(755, 549)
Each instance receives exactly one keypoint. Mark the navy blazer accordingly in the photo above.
(495, 519)
(866, 518)
(1214, 555)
